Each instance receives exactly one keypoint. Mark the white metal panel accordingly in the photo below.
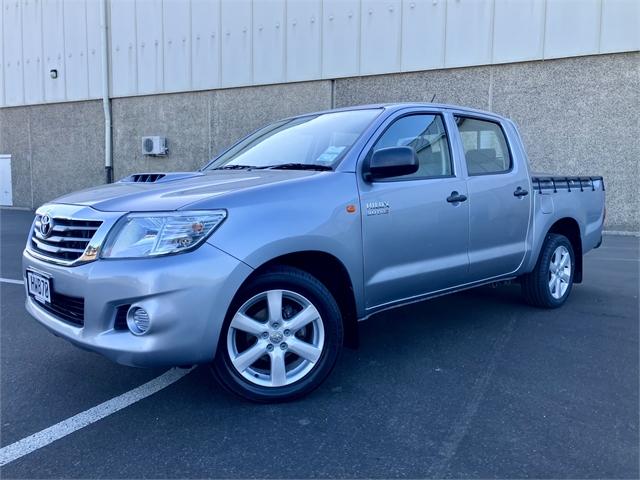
(380, 27)
(32, 51)
(12, 44)
(124, 71)
(340, 38)
(149, 44)
(518, 31)
(205, 43)
(2, 43)
(94, 49)
(268, 41)
(177, 45)
(304, 33)
(53, 43)
(572, 28)
(423, 32)
(620, 26)
(469, 32)
(6, 192)
(236, 42)
(75, 47)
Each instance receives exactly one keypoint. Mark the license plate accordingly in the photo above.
(39, 287)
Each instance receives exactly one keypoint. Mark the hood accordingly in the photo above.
(172, 191)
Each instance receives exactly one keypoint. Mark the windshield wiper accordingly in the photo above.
(299, 166)
(234, 167)
(282, 166)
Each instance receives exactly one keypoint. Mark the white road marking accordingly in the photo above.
(614, 259)
(9, 280)
(59, 430)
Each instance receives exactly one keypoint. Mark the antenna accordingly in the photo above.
(433, 98)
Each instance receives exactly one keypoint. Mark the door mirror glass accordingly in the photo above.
(392, 162)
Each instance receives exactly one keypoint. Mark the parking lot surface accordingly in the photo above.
(475, 384)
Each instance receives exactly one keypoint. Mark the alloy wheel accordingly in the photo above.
(275, 338)
(559, 272)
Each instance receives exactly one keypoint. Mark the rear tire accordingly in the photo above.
(281, 337)
(550, 283)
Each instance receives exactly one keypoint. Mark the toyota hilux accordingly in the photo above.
(262, 262)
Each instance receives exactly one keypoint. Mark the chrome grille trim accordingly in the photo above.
(59, 239)
(76, 236)
(66, 228)
(40, 245)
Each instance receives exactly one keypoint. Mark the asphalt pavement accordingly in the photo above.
(473, 385)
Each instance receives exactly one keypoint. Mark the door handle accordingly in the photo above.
(520, 192)
(456, 197)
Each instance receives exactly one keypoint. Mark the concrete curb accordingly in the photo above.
(621, 233)
(23, 209)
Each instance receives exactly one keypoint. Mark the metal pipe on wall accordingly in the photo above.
(106, 101)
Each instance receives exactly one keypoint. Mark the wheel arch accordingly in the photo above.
(333, 274)
(570, 228)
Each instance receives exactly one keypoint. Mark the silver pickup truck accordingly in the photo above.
(262, 262)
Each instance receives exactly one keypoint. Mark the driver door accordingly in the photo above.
(415, 241)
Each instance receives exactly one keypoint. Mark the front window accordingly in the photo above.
(314, 141)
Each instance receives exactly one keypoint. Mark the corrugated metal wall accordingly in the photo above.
(161, 46)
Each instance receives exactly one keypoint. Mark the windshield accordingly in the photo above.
(303, 142)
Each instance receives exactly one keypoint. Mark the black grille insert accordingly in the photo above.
(64, 307)
(120, 322)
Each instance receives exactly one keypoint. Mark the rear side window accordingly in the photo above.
(485, 147)
(427, 136)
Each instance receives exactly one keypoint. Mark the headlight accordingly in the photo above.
(154, 234)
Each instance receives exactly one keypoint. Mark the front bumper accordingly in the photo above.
(186, 296)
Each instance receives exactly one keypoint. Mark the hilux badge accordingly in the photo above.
(377, 208)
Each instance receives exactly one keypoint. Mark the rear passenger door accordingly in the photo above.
(414, 239)
(499, 200)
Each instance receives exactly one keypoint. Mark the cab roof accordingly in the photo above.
(392, 107)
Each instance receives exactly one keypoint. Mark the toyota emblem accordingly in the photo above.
(46, 225)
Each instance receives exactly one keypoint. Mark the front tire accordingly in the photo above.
(550, 283)
(281, 337)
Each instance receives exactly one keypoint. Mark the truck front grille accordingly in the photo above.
(62, 239)
(69, 309)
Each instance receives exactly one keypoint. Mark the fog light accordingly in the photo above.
(138, 320)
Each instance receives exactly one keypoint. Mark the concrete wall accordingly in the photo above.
(54, 149)
(577, 116)
(199, 125)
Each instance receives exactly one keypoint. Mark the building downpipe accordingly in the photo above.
(106, 101)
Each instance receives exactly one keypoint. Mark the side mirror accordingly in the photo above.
(392, 162)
